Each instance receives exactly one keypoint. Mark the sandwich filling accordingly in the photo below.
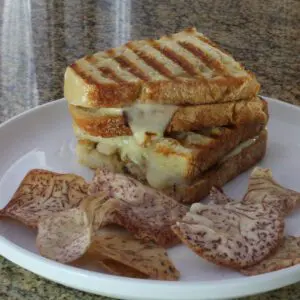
(146, 121)
(163, 163)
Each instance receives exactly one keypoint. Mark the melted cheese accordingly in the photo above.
(192, 138)
(126, 146)
(239, 149)
(170, 162)
(161, 170)
(149, 120)
(103, 111)
(90, 157)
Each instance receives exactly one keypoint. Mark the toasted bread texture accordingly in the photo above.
(221, 173)
(218, 175)
(183, 68)
(110, 123)
(178, 159)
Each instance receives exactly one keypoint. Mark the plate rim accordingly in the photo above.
(23, 257)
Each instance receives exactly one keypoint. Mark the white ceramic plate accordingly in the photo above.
(43, 138)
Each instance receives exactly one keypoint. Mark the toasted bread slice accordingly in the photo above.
(180, 158)
(110, 122)
(224, 171)
(183, 68)
(229, 167)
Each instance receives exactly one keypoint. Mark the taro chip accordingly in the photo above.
(96, 211)
(118, 252)
(145, 212)
(235, 235)
(64, 236)
(264, 189)
(43, 192)
(217, 196)
(117, 268)
(287, 255)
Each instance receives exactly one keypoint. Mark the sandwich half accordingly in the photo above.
(183, 170)
(110, 122)
(177, 113)
(183, 68)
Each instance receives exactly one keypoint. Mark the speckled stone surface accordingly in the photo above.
(19, 284)
(39, 38)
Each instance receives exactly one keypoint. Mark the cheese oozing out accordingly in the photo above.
(149, 120)
(160, 170)
(146, 121)
(239, 149)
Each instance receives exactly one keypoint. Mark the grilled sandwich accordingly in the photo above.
(110, 122)
(183, 68)
(230, 166)
(236, 161)
(177, 113)
(178, 158)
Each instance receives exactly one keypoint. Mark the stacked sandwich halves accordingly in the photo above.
(177, 113)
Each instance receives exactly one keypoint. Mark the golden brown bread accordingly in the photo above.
(183, 68)
(217, 175)
(222, 173)
(185, 118)
(178, 159)
(190, 118)
(205, 153)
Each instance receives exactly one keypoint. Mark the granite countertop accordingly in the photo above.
(40, 38)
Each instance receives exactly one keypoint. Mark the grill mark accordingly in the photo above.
(168, 150)
(110, 52)
(190, 30)
(176, 58)
(131, 68)
(109, 73)
(87, 78)
(105, 71)
(211, 43)
(207, 41)
(210, 62)
(127, 65)
(151, 61)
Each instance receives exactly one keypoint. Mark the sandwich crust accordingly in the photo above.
(174, 69)
(178, 160)
(222, 173)
(217, 175)
(185, 118)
